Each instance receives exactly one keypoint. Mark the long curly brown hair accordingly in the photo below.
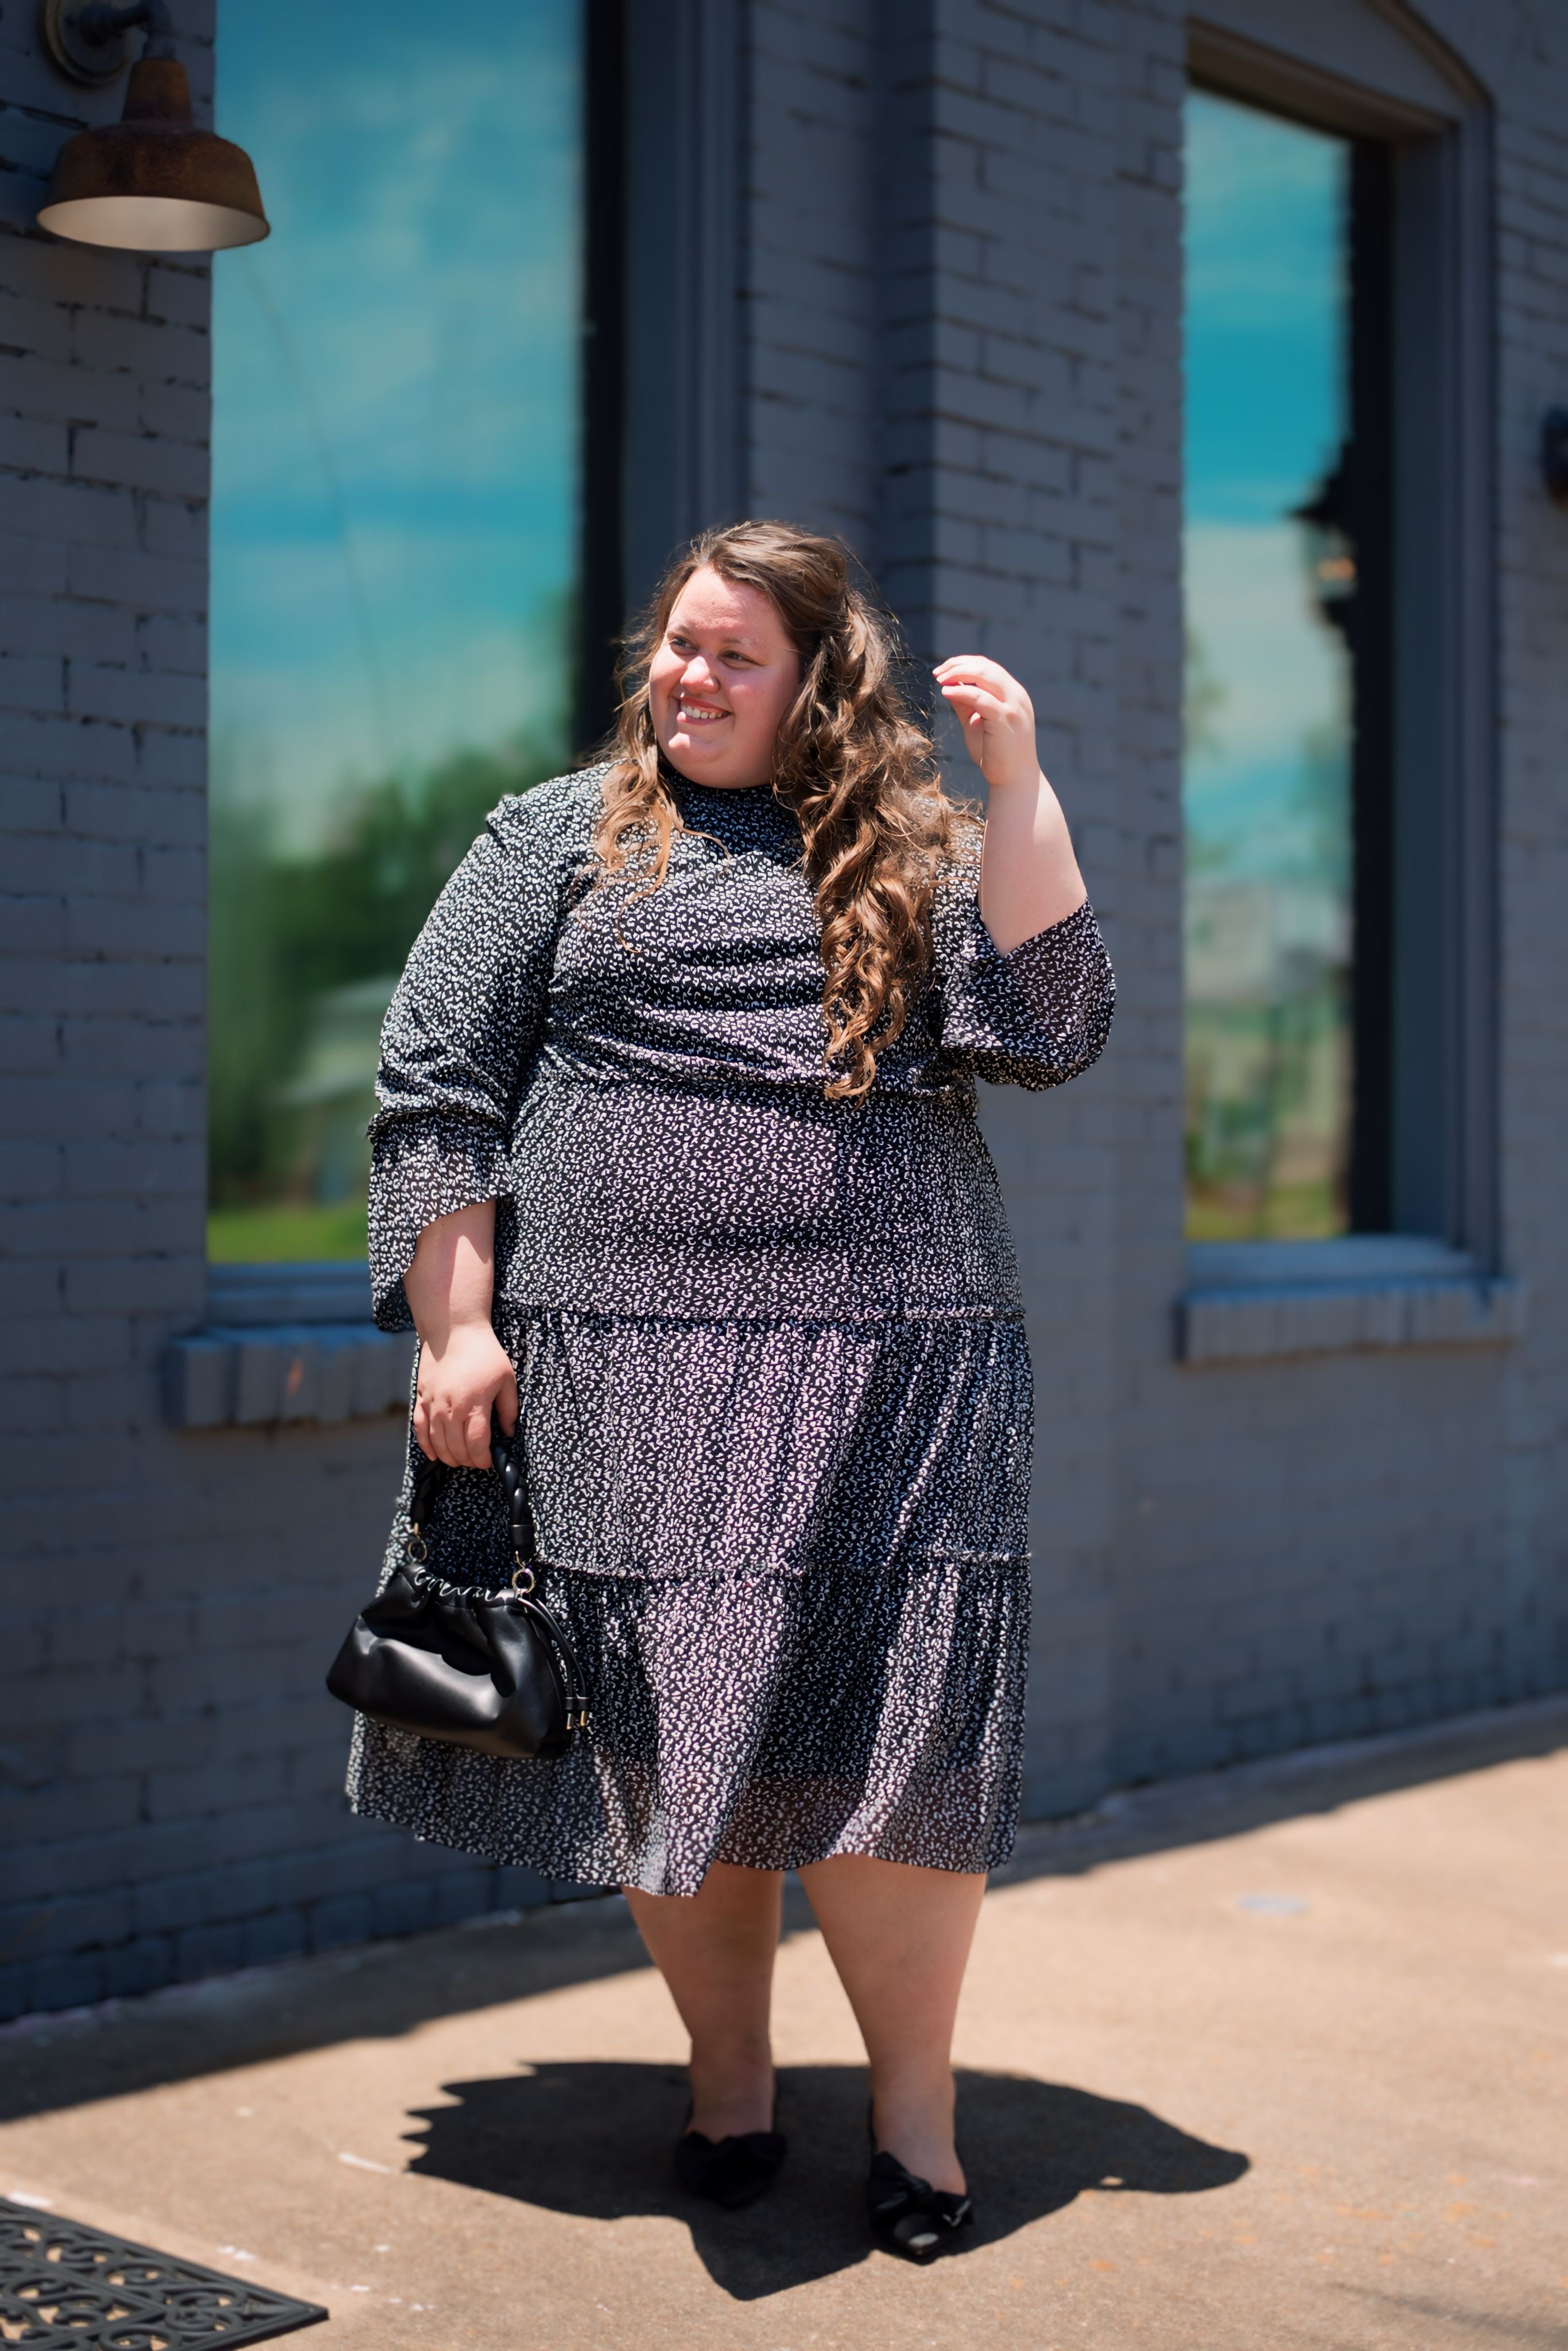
(851, 763)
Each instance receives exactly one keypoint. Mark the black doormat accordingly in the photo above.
(63, 2283)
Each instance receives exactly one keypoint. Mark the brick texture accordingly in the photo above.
(962, 350)
(971, 211)
(171, 1767)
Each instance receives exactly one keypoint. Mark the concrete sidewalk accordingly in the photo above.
(1275, 2062)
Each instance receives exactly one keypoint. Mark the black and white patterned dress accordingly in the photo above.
(775, 1392)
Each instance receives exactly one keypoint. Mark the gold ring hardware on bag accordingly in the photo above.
(521, 1570)
(416, 1548)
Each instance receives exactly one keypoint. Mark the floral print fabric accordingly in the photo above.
(775, 1392)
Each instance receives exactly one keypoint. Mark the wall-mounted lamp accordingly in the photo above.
(1555, 453)
(151, 183)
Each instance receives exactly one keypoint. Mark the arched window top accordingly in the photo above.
(1372, 67)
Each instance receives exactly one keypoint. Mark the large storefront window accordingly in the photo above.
(1281, 748)
(394, 542)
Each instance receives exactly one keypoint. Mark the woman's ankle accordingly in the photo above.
(733, 2091)
(913, 2121)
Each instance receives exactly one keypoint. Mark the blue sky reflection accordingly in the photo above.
(396, 461)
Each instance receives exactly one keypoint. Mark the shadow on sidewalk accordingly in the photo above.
(595, 2140)
(48, 2062)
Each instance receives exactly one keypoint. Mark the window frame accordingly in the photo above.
(602, 407)
(1442, 1180)
(682, 450)
(326, 1292)
(663, 206)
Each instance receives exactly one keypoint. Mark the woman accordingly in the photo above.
(678, 1158)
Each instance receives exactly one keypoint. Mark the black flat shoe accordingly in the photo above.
(908, 2216)
(729, 2171)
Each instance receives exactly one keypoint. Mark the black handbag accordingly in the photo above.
(489, 1669)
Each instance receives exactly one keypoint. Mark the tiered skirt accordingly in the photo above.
(791, 1553)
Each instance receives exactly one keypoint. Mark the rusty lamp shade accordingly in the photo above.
(153, 183)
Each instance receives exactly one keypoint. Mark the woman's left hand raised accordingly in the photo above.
(997, 716)
(1028, 874)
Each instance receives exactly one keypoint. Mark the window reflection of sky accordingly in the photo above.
(1266, 791)
(1264, 283)
(1265, 371)
(395, 458)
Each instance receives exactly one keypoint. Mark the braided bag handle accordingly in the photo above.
(505, 1459)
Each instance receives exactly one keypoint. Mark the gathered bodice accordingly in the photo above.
(637, 1075)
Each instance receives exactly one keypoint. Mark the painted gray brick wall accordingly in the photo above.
(1314, 1548)
(962, 350)
(1525, 57)
(936, 209)
(1231, 1559)
(170, 1765)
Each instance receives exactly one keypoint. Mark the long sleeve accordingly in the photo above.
(461, 1031)
(1034, 1017)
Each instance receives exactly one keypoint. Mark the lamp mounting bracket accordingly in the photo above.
(91, 39)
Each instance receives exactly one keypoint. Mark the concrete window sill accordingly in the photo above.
(283, 1344)
(1249, 1301)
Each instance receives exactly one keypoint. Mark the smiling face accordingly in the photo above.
(720, 682)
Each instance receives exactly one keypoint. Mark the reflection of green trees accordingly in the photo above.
(289, 926)
(1267, 1109)
(1321, 805)
(1267, 1043)
(1203, 698)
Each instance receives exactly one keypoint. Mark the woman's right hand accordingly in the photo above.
(464, 1370)
(459, 1385)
